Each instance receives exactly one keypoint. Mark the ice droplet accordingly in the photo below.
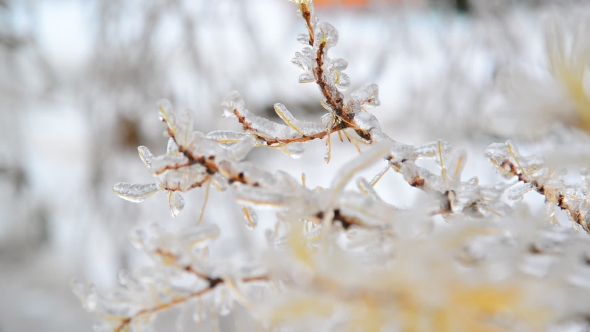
(251, 217)
(176, 203)
(135, 193)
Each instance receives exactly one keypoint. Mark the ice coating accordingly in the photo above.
(135, 193)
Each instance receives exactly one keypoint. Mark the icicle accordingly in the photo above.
(515, 193)
(135, 193)
(223, 300)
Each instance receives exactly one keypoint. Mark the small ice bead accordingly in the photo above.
(251, 217)
(176, 203)
(200, 237)
(326, 34)
(135, 193)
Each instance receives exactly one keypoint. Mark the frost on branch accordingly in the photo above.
(533, 174)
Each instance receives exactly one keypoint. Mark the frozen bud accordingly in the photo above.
(176, 203)
(232, 102)
(135, 193)
(326, 34)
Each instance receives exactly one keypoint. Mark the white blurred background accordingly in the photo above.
(79, 81)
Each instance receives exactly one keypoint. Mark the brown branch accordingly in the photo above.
(306, 13)
(213, 282)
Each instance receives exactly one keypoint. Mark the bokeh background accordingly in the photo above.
(79, 80)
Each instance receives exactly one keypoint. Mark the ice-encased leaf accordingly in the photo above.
(367, 94)
(176, 203)
(239, 150)
(145, 155)
(306, 78)
(251, 217)
(135, 193)
(200, 237)
(303, 38)
(233, 101)
(294, 150)
(180, 124)
(326, 34)
(172, 148)
(184, 178)
(515, 193)
(163, 162)
(286, 116)
(147, 238)
(430, 150)
(341, 81)
(267, 128)
(366, 121)
(339, 64)
(227, 136)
